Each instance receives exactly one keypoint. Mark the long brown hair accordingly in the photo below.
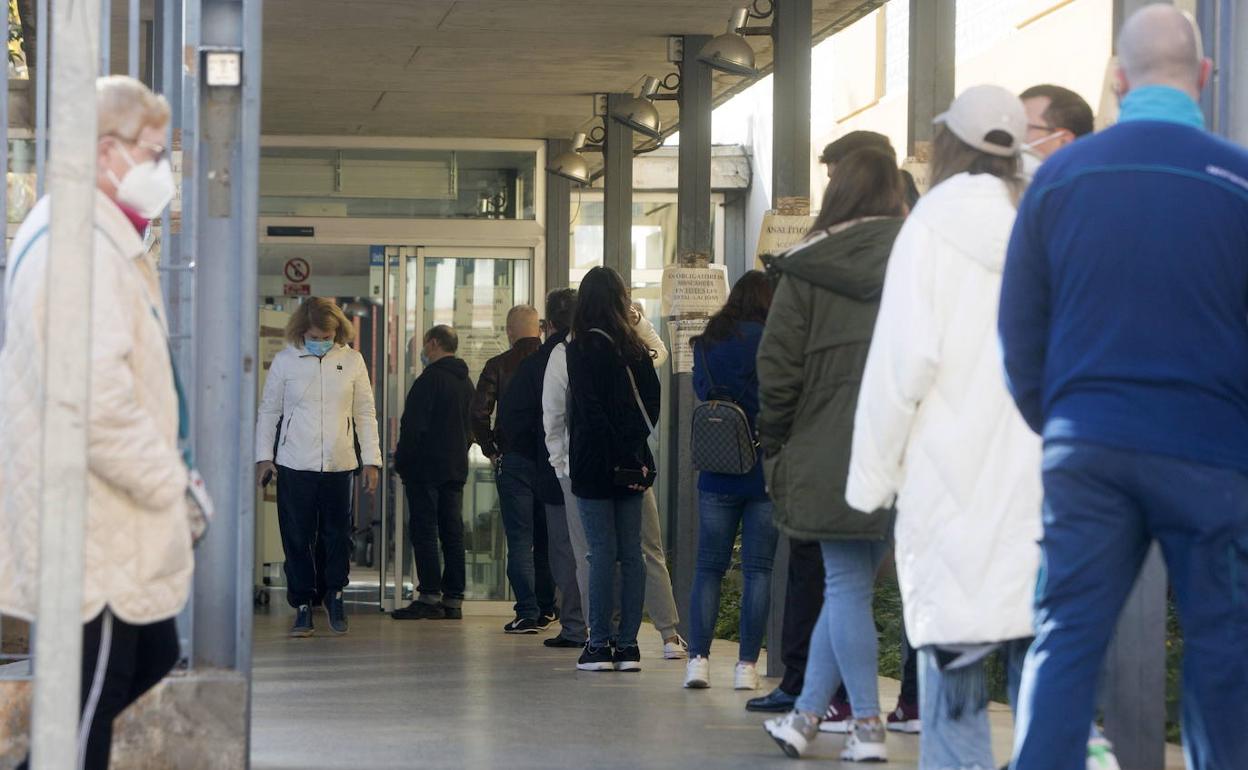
(952, 156)
(866, 183)
(602, 303)
(319, 313)
(749, 300)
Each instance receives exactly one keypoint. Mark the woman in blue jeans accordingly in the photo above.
(724, 367)
(613, 403)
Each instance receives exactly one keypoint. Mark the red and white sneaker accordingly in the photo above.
(837, 719)
(905, 718)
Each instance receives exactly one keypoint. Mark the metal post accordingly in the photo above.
(41, 94)
(558, 222)
(932, 40)
(67, 387)
(790, 180)
(133, 38)
(790, 172)
(1217, 28)
(1235, 67)
(222, 219)
(694, 238)
(617, 247)
(106, 40)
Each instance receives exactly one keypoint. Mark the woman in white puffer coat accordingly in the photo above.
(936, 431)
(137, 560)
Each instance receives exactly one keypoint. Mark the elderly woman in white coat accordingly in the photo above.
(137, 560)
(936, 432)
(317, 426)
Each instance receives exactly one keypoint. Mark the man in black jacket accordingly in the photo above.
(432, 460)
(520, 419)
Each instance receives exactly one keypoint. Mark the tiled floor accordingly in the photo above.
(447, 694)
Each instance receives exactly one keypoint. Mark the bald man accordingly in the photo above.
(1124, 325)
(524, 516)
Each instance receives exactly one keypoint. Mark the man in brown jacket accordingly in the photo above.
(524, 518)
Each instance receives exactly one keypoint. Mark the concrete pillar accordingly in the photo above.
(694, 238)
(790, 179)
(932, 58)
(558, 224)
(222, 145)
(617, 247)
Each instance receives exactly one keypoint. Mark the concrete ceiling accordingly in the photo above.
(480, 68)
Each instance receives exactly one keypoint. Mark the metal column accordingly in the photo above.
(1218, 21)
(66, 380)
(1235, 69)
(932, 39)
(617, 246)
(558, 224)
(790, 179)
(791, 156)
(222, 171)
(694, 242)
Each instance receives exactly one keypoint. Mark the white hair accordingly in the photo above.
(126, 107)
(1160, 45)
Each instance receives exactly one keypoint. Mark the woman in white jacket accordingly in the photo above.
(137, 560)
(316, 411)
(936, 432)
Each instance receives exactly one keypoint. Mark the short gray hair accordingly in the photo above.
(126, 107)
(1161, 45)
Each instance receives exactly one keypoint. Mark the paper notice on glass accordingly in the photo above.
(694, 290)
(680, 334)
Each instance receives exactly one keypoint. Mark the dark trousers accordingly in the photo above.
(314, 515)
(803, 603)
(1103, 508)
(435, 513)
(524, 521)
(135, 659)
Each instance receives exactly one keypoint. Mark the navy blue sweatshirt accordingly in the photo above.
(1124, 306)
(731, 364)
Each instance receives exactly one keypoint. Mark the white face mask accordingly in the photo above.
(1031, 146)
(148, 187)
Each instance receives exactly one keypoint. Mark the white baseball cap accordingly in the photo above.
(989, 118)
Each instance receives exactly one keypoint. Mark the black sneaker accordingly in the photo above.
(336, 609)
(303, 622)
(521, 626)
(596, 659)
(419, 610)
(627, 659)
(562, 642)
(452, 613)
(547, 619)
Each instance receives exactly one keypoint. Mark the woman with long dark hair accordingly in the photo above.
(613, 399)
(724, 366)
(810, 363)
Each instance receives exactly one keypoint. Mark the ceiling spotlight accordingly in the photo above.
(639, 112)
(730, 52)
(571, 164)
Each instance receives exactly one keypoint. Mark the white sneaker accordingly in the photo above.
(1101, 754)
(866, 743)
(698, 673)
(677, 650)
(793, 733)
(746, 677)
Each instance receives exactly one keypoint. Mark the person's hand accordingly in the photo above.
(265, 473)
(372, 477)
(645, 473)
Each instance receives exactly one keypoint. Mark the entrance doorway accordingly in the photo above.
(394, 294)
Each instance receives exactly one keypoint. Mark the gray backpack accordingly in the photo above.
(722, 439)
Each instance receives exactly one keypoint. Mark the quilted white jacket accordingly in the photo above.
(323, 405)
(138, 558)
(936, 429)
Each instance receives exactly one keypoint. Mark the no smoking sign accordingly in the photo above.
(298, 270)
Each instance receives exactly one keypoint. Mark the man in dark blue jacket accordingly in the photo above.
(1124, 324)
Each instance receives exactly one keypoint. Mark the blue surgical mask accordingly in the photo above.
(318, 348)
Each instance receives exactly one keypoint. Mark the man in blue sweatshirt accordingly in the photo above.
(1124, 325)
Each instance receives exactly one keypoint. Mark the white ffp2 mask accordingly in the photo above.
(148, 187)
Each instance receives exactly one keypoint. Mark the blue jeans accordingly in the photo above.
(524, 520)
(1102, 509)
(719, 517)
(844, 645)
(965, 742)
(613, 529)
